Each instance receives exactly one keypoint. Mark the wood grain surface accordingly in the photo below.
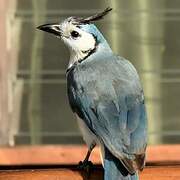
(60, 163)
(149, 173)
(70, 154)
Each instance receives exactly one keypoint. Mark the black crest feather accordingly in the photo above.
(95, 17)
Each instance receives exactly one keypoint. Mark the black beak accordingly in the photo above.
(51, 28)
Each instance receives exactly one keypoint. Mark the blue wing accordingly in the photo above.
(107, 95)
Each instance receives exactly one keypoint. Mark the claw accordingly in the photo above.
(86, 167)
(85, 164)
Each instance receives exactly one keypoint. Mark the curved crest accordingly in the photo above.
(95, 17)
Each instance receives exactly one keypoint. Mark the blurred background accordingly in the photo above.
(33, 102)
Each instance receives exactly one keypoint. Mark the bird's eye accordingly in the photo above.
(75, 34)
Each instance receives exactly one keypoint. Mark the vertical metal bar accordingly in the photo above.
(114, 31)
(34, 106)
(147, 43)
(4, 72)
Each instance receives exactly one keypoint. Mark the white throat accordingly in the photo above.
(75, 56)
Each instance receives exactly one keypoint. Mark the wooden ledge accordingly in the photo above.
(70, 154)
(60, 163)
(69, 172)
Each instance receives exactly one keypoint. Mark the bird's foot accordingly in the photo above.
(86, 167)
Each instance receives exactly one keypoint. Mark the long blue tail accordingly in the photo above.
(114, 169)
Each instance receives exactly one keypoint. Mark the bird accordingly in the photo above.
(106, 96)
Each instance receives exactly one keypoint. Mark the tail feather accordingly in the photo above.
(115, 170)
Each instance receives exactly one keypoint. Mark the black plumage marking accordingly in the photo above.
(95, 17)
(88, 20)
(91, 51)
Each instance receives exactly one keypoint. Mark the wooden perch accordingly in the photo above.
(60, 163)
(155, 172)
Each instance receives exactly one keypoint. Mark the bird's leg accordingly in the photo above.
(86, 164)
(89, 152)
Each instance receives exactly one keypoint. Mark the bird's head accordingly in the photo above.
(79, 34)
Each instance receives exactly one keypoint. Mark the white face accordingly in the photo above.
(79, 41)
